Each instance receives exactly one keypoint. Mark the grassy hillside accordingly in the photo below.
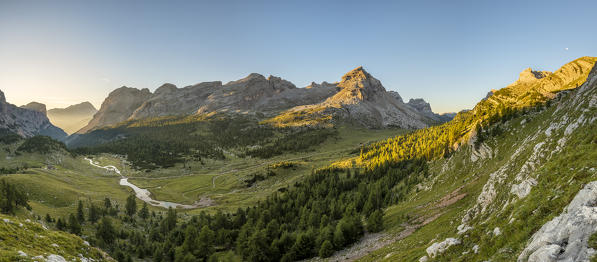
(517, 179)
(23, 240)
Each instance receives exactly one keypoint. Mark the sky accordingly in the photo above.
(451, 53)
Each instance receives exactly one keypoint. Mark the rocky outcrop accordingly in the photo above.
(26, 122)
(441, 247)
(72, 118)
(421, 106)
(529, 75)
(35, 106)
(118, 106)
(565, 237)
(396, 95)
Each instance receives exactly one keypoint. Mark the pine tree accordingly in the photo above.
(48, 218)
(375, 221)
(107, 204)
(257, 246)
(131, 205)
(73, 225)
(326, 249)
(105, 231)
(205, 242)
(94, 213)
(144, 212)
(80, 214)
(60, 225)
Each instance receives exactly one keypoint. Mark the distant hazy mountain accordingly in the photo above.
(358, 98)
(72, 118)
(35, 106)
(27, 122)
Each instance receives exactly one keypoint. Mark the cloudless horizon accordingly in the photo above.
(449, 53)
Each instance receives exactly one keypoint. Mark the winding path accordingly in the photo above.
(144, 194)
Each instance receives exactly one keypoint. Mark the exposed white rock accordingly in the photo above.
(55, 258)
(6, 220)
(21, 253)
(565, 237)
(423, 259)
(524, 188)
(476, 249)
(441, 247)
(54, 245)
(462, 228)
(497, 231)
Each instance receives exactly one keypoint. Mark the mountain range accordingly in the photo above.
(512, 179)
(358, 98)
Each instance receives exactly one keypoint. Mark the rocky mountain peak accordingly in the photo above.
(396, 95)
(83, 106)
(420, 105)
(35, 106)
(280, 84)
(359, 85)
(165, 89)
(2, 98)
(118, 106)
(252, 76)
(323, 84)
(529, 75)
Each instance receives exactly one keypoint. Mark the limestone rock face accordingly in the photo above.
(441, 247)
(420, 105)
(363, 99)
(169, 100)
(26, 122)
(359, 98)
(529, 75)
(423, 107)
(35, 106)
(396, 95)
(119, 105)
(72, 118)
(565, 237)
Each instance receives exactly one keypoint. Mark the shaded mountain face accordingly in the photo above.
(72, 118)
(421, 106)
(359, 98)
(117, 107)
(26, 122)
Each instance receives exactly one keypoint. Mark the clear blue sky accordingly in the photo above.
(450, 53)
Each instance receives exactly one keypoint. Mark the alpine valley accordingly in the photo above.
(258, 169)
